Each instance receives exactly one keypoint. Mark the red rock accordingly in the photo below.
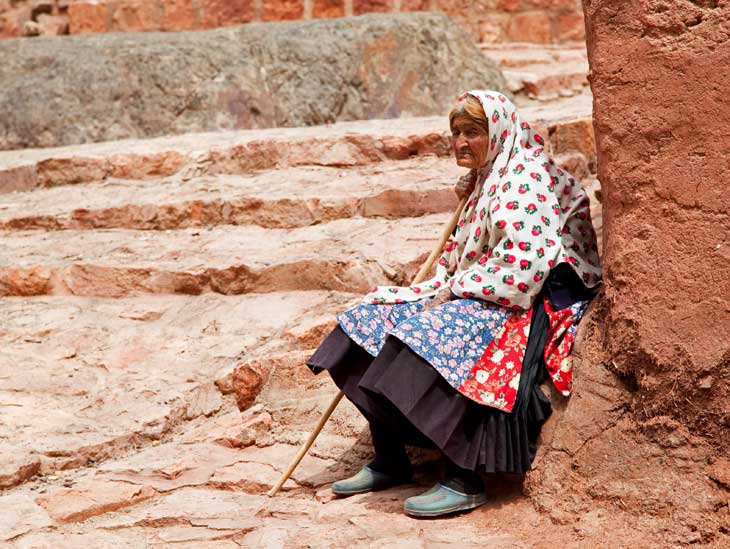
(24, 282)
(532, 27)
(217, 13)
(247, 381)
(281, 10)
(136, 15)
(509, 5)
(574, 135)
(93, 498)
(571, 27)
(12, 21)
(88, 17)
(16, 466)
(328, 8)
(415, 5)
(369, 6)
(179, 15)
(69, 170)
(719, 471)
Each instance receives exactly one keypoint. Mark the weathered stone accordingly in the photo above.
(368, 6)
(328, 8)
(52, 25)
(88, 17)
(16, 466)
(571, 27)
(93, 498)
(282, 10)
(530, 27)
(247, 381)
(136, 15)
(666, 222)
(179, 15)
(229, 76)
(218, 13)
(20, 514)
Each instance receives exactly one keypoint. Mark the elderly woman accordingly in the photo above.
(463, 375)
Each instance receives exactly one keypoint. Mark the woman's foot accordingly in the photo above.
(442, 500)
(367, 480)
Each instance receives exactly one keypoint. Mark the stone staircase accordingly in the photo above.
(148, 286)
(542, 72)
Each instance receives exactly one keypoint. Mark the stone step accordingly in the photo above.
(345, 254)
(344, 144)
(517, 55)
(544, 73)
(292, 197)
(83, 379)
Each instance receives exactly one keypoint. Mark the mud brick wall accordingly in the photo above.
(491, 21)
(660, 85)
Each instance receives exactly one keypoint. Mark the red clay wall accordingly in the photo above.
(661, 117)
(537, 21)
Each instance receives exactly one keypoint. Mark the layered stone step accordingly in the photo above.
(84, 380)
(285, 198)
(346, 254)
(545, 73)
(345, 144)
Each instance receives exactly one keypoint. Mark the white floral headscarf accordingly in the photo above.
(524, 217)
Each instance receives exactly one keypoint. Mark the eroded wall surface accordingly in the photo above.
(534, 21)
(661, 84)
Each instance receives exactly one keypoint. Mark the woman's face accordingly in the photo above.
(470, 143)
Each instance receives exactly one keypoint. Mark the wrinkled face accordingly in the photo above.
(470, 142)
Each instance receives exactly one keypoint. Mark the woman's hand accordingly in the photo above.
(465, 185)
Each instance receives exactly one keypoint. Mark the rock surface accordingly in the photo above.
(667, 217)
(259, 75)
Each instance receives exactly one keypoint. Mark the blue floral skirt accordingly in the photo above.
(451, 336)
(400, 366)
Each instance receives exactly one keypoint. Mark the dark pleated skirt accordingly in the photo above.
(403, 391)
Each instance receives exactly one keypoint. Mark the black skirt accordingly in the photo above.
(401, 390)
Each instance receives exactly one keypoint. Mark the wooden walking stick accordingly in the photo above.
(336, 400)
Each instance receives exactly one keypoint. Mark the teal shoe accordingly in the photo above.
(367, 480)
(442, 500)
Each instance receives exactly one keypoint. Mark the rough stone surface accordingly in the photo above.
(16, 466)
(91, 499)
(108, 87)
(657, 87)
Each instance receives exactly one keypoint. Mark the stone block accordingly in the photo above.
(570, 27)
(492, 28)
(93, 498)
(88, 17)
(219, 13)
(509, 5)
(136, 15)
(575, 135)
(328, 8)
(373, 66)
(369, 6)
(282, 10)
(533, 27)
(52, 25)
(414, 5)
(179, 15)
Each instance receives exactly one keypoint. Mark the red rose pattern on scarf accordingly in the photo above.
(524, 217)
